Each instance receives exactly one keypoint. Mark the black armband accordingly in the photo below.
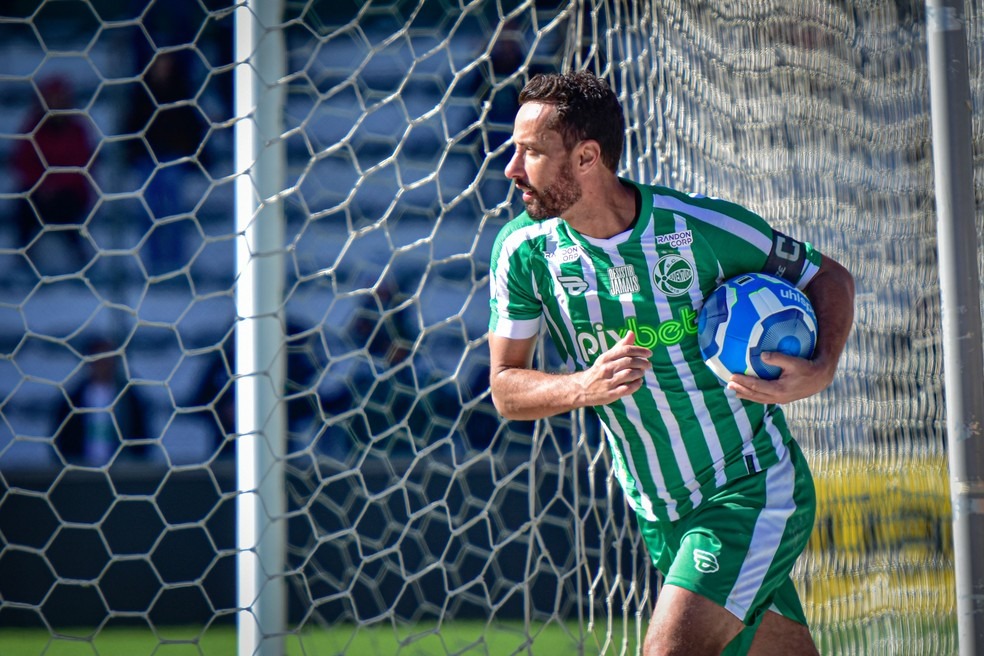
(786, 259)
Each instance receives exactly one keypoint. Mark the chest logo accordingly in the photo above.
(623, 280)
(676, 239)
(674, 275)
(574, 285)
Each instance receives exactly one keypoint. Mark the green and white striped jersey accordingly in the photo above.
(680, 435)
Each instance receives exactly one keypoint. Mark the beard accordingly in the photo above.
(557, 198)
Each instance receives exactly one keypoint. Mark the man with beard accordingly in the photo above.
(618, 271)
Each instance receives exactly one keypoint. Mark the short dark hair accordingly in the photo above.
(586, 108)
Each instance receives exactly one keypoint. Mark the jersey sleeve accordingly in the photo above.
(745, 242)
(515, 308)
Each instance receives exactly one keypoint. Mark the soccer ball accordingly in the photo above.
(750, 314)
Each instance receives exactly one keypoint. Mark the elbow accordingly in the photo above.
(508, 399)
(502, 406)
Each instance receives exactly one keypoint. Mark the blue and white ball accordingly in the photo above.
(751, 314)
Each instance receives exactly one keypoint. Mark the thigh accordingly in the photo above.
(775, 632)
(685, 622)
(779, 636)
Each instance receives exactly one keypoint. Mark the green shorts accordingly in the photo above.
(738, 547)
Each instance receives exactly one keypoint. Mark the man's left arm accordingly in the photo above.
(831, 291)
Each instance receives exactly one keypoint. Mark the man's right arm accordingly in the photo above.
(522, 393)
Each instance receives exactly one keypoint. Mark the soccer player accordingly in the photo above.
(618, 272)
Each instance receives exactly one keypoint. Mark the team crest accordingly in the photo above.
(674, 275)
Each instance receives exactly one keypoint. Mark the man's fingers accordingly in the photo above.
(640, 364)
(778, 359)
(637, 369)
(630, 387)
(627, 347)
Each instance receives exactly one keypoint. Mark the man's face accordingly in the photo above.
(541, 166)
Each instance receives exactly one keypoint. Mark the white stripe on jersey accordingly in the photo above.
(723, 221)
(809, 270)
(563, 300)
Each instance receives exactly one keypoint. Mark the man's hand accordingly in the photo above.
(618, 372)
(520, 392)
(800, 378)
(832, 294)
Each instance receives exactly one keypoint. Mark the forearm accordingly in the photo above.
(528, 394)
(523, 393)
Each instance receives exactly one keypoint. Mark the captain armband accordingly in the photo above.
(787, 259)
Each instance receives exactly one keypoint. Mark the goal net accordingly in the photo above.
(417, 521)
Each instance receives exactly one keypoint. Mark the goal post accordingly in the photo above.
(287, 244)
(261, 425)
(961, 300)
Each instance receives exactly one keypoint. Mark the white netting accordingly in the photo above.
(417, 521)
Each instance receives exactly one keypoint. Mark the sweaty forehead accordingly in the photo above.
(532, 125)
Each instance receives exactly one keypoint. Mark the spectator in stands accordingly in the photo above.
(373, 375)
(101, 412)
(506, 58)
(216, 392)
(166, 127)
(57, 139)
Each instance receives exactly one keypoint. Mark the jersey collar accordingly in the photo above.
(638, 227)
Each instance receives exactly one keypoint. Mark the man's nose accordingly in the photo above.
(514, 169)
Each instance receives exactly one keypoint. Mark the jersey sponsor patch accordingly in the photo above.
(569, 254)
(599, 338)
(623, 280)
(679, 239)
(573, 285)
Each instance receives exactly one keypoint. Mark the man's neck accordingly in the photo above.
(614, 209)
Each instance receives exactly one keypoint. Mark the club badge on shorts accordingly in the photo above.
(705, 561)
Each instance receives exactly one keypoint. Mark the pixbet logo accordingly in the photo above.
(666, 333)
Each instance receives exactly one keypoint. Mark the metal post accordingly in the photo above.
(260, 361)
(960, 286)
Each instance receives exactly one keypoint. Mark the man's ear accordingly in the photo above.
(587, 155)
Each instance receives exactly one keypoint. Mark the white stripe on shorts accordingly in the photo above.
(769, 528)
